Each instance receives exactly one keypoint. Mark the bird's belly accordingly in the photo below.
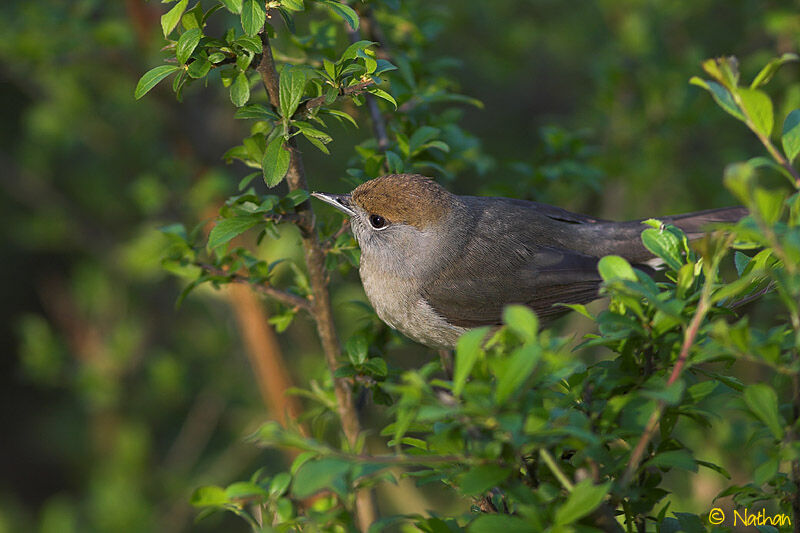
(400, 305)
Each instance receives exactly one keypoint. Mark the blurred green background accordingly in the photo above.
(114, 405)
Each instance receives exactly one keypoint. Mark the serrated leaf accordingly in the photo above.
(346, 12)
(275, 163)
(256, 111)
(292, 85)
(228, 228)
(198, 68)
(151, 78)
(240, 90)
(664, 244)
(356, 349)
(294, 5)
(758, 107)
(380, 93)
(340, 115)
(187, 43)
(351, 52)
(584, 498)
(253, 16)
(763, 403)
(171, 18)
(234, 6)
(468, 349)
(790, 137)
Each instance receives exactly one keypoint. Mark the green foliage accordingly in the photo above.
(530, 432)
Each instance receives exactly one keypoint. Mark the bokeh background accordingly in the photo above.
(115, 405)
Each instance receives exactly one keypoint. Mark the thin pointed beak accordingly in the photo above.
(339, 201)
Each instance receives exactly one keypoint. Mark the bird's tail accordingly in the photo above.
(696, 224)
(624, 238)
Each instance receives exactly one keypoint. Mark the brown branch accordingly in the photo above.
(309, 105)
(320, 303)
(688, 340)
(284, 297)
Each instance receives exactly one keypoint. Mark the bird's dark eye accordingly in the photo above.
(377, 221)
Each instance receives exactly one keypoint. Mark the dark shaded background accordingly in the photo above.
(114, 405)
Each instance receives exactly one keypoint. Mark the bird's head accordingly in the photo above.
(399, 215)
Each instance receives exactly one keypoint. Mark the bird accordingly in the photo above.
(435, 264)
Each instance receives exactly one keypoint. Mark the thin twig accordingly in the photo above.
(309, 105)
(321, 309)
(292, 300)
(688, 340)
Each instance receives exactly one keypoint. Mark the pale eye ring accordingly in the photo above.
(377, 221)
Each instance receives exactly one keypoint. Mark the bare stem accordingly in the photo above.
(688, 339)
(292, 300)
(320, 303)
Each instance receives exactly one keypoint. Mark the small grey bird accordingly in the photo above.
(435, 264)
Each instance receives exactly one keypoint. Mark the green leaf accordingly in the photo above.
(517, 369)
(351, 52)
(738, 178)
(228, 228)
(791, 135)
(758, 107)
(420, 137)
(151, 78)
(769, 204)
(280, 483)
(253, 16)
(209, 496)
(479, 479)
(613, 267)
(240, 90)
(584, 498)
(171, 18)
(763, 403)
(198, 68)
(346, 12)
(187, 43)
(492, 523)
(275, 163)
(292, 85)
(293, 5)
(664, 244)
(256, 111)
(380, 93)
(234, 6)
(522, 321)
(245, 490)
(771, 68)
(251, 44)
(720, 95)
(394, 162)
(468, 349)
(356, 349)
(674, 459)
(315, 476)
(341, 115)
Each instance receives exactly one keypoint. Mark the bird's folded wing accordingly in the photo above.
(539, 278)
